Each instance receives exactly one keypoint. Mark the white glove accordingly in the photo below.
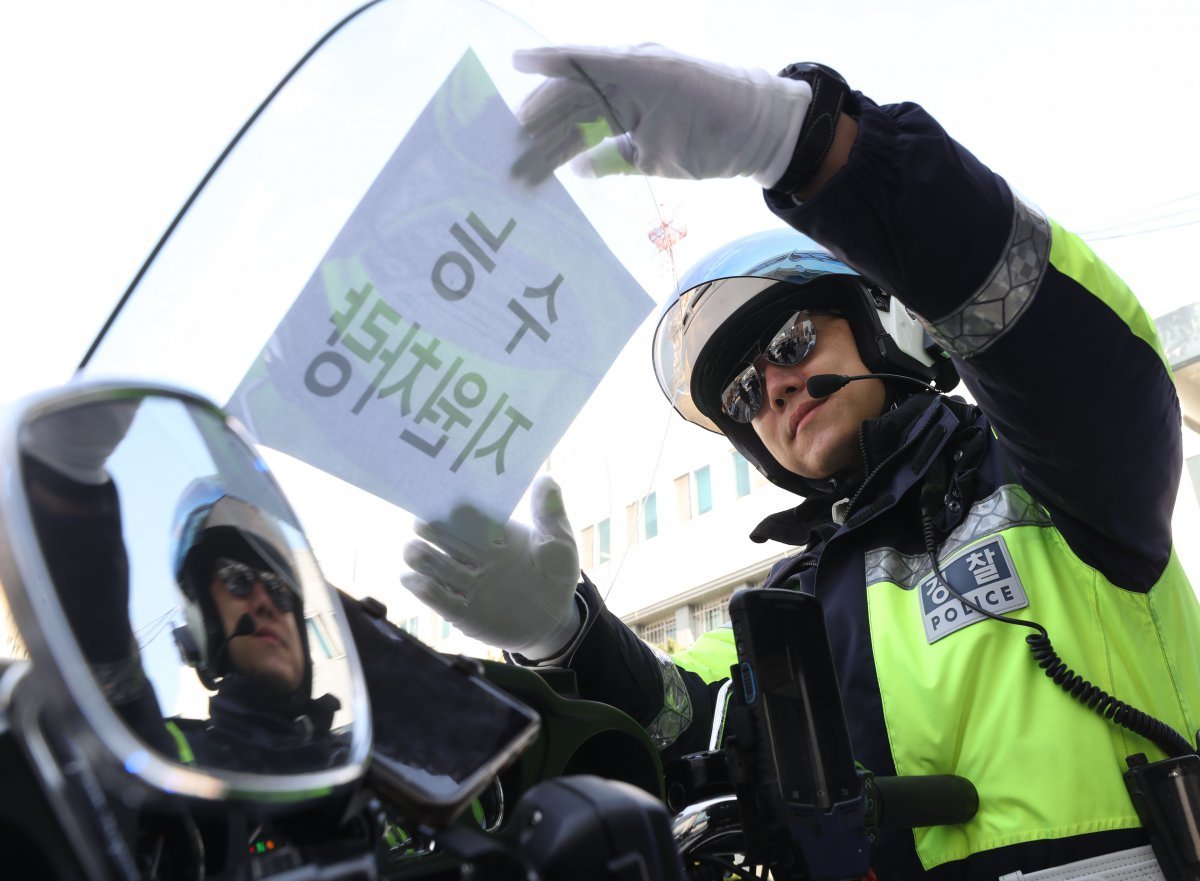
(681, 116)
(78, 442)
(519, 594)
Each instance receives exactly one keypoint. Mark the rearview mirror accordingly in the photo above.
(169, 601)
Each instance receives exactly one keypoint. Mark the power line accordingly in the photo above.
(1191, 210)
(1134, 223)
(1138, 232)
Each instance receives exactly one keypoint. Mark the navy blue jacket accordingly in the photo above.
(1076, 439)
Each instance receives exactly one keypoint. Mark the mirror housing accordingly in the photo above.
(114, 495)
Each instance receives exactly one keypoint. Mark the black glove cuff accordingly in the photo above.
(831, 97)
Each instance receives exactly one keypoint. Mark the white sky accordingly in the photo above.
(113, 111)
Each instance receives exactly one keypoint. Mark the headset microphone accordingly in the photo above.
(825, 384)
(244, 627)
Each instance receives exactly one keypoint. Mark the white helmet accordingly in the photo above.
(210, 523)
(739, 295)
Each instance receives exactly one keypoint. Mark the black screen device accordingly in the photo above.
(789, 751)
(442, 732)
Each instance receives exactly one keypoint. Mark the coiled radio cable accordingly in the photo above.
(1093, 697)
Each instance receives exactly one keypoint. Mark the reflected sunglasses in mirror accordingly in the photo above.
(239, 579)
(792, 343)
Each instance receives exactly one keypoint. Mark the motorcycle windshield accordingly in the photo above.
(400, 321)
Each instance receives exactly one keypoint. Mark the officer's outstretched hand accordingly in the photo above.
(519, 594)
(77, 442)
(648, 109)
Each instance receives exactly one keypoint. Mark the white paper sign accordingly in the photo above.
(455, 327)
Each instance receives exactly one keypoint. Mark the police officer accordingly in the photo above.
(246, 638)
(924, 518)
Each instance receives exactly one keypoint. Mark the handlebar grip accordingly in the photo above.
(927, 800)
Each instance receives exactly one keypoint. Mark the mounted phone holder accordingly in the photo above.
(802, 799)
(806, 809)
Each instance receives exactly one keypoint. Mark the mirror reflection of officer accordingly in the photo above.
(245, 635)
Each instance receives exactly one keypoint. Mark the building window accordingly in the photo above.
(703, 481)
(317, 638)
(641, 520)
(693, 493)
(683, 497)
(658, 632)
(746, 476)
(1193, 470)
(603, 541)
(323, 635)
(711, 615)
(445, 629)
(587, 545)
(595, 546)
(410, 625)
(741, 474)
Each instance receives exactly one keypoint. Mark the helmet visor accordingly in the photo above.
(743, 276)
(686, 328)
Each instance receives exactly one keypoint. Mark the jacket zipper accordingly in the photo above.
(862, 446)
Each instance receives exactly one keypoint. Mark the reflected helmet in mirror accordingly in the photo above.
(211, 524)
(732, 301)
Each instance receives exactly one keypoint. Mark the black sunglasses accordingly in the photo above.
(792, 343)
(239, 579)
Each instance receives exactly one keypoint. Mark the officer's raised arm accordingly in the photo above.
(1030, 315)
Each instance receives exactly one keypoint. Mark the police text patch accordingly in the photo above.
(983, 574)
